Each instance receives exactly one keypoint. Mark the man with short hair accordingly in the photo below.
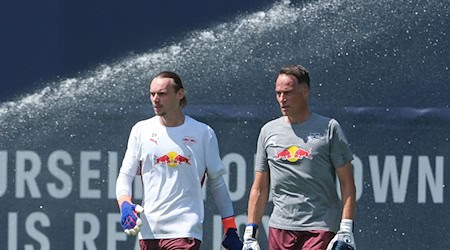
(298, 157)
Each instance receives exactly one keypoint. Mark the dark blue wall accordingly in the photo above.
(41, 41)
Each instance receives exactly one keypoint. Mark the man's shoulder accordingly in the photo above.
(274, 122)
(319, 117)
(323, 120)
(146, 122)
(189, 121)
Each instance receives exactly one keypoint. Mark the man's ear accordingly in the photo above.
(180, 93)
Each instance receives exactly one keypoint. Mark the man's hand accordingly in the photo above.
(231, 240)
(250, 236)
(343, 240)
(130, 220)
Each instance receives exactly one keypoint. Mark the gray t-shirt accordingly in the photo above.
(302, 159)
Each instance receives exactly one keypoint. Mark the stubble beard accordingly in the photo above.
(162, 114)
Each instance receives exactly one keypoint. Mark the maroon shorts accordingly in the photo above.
(168, 244)
(296, 240)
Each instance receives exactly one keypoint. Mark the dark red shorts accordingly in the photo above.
(296, 240)
(168, 244)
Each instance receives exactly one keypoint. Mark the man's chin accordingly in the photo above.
(160, 113)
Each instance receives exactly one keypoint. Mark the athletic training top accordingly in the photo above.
(172, 162)
(301, 159)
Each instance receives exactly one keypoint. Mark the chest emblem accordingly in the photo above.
(171, 159)
(315, 137)
(189, 140)
(293, 154)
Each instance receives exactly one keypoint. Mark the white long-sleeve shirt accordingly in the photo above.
(173, 163)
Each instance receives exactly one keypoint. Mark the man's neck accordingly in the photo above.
(298, 118)
(172, 121)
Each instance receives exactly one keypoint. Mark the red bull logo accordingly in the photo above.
(172, 159)
(293, 154)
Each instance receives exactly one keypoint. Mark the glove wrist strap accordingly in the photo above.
(228, 222)
(251, 231)
(346, 225)
(122, 199)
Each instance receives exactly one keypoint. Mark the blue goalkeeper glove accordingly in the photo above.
(130, 220)
(231, 240)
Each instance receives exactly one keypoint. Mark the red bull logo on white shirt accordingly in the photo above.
(172, 159)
